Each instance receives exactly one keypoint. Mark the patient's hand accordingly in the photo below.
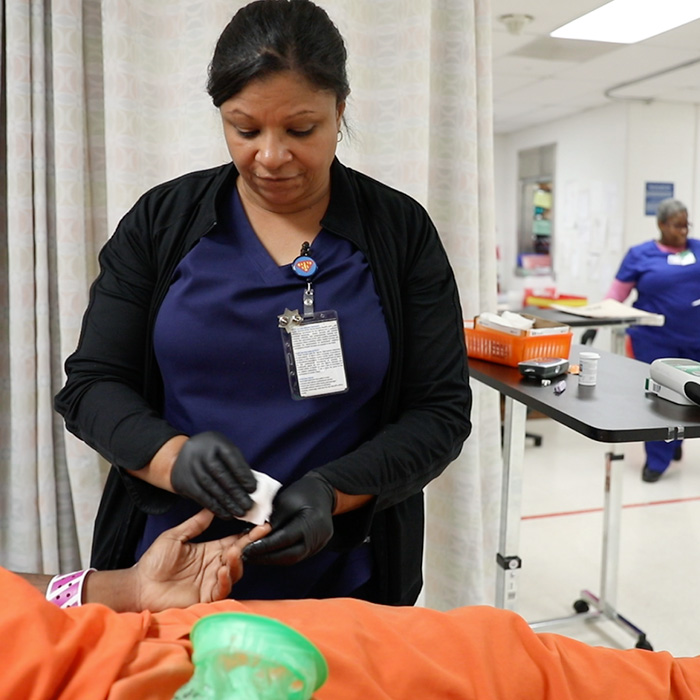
(174, 572)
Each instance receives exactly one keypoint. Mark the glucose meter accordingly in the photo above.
(543, 367)
(675, 379)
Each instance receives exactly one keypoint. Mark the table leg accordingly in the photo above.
(508, 561)
(612, 512)
(603, 606)
(617, 340)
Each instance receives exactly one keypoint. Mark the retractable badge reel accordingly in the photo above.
(311, 339)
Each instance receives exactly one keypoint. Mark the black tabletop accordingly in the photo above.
(617, 409)
(576, 321)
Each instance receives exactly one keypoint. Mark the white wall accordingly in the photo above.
(604, 158)
(589, 189)
(662, 140)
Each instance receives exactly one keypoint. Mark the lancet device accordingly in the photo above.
(675, 379)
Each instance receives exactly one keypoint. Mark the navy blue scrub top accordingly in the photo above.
(221, 356)
(665, 288)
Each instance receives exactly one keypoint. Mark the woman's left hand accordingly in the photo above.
(302, 523)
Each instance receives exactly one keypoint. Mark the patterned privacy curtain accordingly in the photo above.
(52, 195)
(104, 99)
(421, 120)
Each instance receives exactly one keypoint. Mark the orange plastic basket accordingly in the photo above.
(507, 349)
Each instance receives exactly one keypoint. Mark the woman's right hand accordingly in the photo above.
(212, 471)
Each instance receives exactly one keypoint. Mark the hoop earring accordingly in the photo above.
(340, 136)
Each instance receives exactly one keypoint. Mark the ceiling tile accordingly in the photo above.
(534, 79)
(527, 67)
(685, 37)
(568, 50)
(548, 92)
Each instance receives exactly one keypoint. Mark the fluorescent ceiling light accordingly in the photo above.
(629, 21)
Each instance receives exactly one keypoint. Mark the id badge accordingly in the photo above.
(687, 257)
(313, 354)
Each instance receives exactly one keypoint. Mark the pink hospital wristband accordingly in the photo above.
(66, 591)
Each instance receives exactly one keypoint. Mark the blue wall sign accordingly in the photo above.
(656, 192)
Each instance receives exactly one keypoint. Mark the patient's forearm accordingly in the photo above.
(118, 589)
(39, 581)
(115, 589)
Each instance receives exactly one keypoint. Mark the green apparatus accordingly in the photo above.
(238, 656)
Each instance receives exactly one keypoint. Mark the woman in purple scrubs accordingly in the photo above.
(666, 276)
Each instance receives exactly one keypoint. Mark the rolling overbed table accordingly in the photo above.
(616, 324)
(616, 410)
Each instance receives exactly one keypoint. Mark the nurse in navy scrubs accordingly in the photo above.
(281, 314)
(666, 275)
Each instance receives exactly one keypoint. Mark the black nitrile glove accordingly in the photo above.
(301, 521)
(211, 470)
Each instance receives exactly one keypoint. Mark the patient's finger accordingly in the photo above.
(223, 585)
(192, 527)
(257, 533)
(235, 552)
(282, 538)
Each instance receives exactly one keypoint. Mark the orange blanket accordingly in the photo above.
(373, 652)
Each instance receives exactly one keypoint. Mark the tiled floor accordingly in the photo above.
(659, 564)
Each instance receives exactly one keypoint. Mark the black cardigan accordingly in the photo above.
(114, 391)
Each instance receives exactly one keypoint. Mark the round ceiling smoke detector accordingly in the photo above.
(515, 23)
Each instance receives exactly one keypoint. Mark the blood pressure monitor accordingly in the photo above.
(543, 367)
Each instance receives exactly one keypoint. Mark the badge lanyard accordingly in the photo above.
(305, 267)
(311, 340)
